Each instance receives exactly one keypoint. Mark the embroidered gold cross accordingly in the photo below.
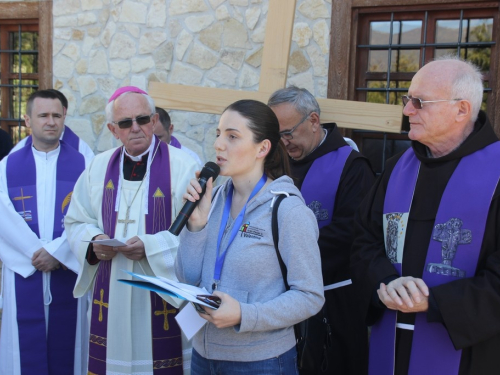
(101, 304)
(126, 221)
(165, 312)
(22, 198)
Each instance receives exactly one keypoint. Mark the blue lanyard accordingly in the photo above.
(219, 263)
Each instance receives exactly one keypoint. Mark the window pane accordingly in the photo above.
(29, 63)
(17, 106)
(17, 133)
(480, 30)
(376, 96)
(405, 60)
(447, 52)
(411, 32)
(479, 56)
(484, 106)
(447, 31)
(379, 32)
(29, 40)
(401, 61)
(381, 96)
(378, 61)
(403, 32)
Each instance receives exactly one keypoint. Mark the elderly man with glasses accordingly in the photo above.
(427, 244)
(130, 193)
(333, 179)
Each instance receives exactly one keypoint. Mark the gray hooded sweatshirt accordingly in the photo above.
(251, 273)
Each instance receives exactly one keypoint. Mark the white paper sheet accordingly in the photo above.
(189, 321)
(108, 242)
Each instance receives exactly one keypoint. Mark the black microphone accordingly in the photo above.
(209, 170)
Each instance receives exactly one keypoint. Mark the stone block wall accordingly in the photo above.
(100, 45)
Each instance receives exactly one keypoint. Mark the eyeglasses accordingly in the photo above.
(419, 103)
(288, 134)
(127, 123)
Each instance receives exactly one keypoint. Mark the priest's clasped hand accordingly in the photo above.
(43, 261)
(406, 294)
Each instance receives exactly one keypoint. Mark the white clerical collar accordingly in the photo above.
(146, 177)
(46, 155)
(139, 157)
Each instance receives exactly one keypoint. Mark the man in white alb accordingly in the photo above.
(130, 193)
(43, 326)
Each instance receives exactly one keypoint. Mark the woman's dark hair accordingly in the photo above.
(264, 125)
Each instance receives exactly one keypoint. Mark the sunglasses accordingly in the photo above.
(127, 123)
(418, 103)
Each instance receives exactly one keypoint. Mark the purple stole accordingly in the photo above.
(460, 220)
(166, 345)
(45, 352)
(69, 137)
(175, 142)
(321, 184)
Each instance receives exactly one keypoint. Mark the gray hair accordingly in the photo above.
(467, 83)
(301, 99)
(110, 105)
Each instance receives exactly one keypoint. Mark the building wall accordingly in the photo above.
(99, 45)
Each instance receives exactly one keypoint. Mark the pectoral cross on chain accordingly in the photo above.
(126, 221)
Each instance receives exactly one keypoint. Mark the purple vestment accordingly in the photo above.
(321, 184)
(166, 345)
(52, 351)
(452, 254)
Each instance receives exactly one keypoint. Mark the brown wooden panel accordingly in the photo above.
(494, 79)
(360, 115)
(340, 42)
(4, 91)
(45, 45)
(375, 3)
(347, 114)
(199, 99)
(19, 9)
(278, 38)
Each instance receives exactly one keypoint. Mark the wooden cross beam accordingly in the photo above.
(273, 74)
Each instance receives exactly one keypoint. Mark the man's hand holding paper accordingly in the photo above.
(103, 252)
(134, 250)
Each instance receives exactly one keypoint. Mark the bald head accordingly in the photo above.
(464, 80)
(451, 93)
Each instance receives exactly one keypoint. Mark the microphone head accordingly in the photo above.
(210, 170)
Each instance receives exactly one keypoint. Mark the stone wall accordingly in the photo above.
(100, 45)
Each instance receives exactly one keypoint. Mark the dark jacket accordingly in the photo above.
(347, 352)
(5, 143)
(469, 308)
